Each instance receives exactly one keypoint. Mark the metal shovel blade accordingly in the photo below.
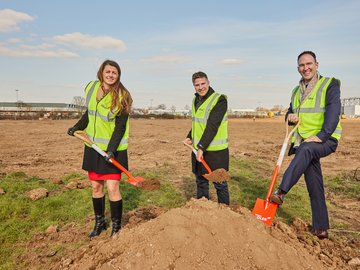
(265, 211)
(135, 180)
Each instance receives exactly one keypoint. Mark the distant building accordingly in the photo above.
(352, 110)
(247, 113)
(350, 106)
(169, 112)
(22, 110)
(159, 111)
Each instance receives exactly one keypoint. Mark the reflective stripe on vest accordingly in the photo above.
(101, 119)
(199, 121)
(311, 111)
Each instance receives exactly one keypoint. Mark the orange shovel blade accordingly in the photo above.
(265, 211)
(134, 180)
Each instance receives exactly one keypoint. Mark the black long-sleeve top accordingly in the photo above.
(215, 159)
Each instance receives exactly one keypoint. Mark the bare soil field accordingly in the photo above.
(225, 238)
(43, 148)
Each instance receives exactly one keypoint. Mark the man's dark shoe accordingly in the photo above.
(278, 197)
(321, 234)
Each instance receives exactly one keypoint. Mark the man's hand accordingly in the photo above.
(313, 139)
(199, 155)
(293, 118)
(199, 152)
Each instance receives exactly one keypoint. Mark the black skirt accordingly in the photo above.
(215, 160)
(94, 162)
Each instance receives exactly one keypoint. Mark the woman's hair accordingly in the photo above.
(116, 90)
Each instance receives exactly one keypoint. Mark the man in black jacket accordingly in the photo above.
(209, 136)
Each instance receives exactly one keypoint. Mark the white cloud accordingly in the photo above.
(43, 46)
(231, 61)
(10, 20)
(96, 42)
(166, 59)
(24, 47)
(14, 40)
(36, 51)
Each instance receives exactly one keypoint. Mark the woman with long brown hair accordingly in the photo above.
(106, 122)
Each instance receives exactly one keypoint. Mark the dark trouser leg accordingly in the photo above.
(222, 192)
(100, 222)
(297, 167)
(307, 162)
(116, 208)
(315, 187)
(202, 187)
(305, 154)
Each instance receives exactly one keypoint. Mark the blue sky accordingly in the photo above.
(50, 50)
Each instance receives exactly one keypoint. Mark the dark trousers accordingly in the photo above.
(307, 162)
(222, 190)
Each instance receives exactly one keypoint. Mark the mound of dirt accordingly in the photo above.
(149, 184)
(200, 235)
(218, 175)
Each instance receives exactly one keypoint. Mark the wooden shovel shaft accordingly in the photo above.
(280, 159)
(264, 210)
(276, 171)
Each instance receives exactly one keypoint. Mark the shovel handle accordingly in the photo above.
(82, 136)
(280, 158)
(206, 165)
(191, 147)
(203, 162)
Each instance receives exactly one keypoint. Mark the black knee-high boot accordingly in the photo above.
(100, 222)
(116, 214)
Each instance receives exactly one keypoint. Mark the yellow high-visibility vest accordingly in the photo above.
(311, 111)
(101, 119)
(199, 121)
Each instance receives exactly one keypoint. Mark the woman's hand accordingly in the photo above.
(72, 130)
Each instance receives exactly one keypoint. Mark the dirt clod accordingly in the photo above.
(37, 194)
(149, 185)
(218, 175)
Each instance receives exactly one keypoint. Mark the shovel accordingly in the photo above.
(218, 175)
(131, 180)
(265, 210)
